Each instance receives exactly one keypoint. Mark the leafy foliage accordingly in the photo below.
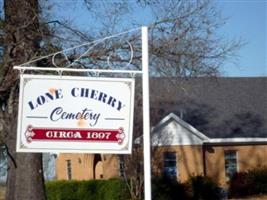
(203, 188)
(113, 189)
(197, 187)
(168, 189)
(253, 182)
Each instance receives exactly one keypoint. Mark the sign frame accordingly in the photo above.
(127, 148)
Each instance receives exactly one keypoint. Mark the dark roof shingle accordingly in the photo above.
(219, 107)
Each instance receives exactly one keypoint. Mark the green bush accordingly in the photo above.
(204, 188)
(253, 182)
(195, 188)
(113, 189)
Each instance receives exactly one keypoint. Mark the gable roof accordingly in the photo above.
(177, 136)
(218, 107)
(185, 125)
(172, 131)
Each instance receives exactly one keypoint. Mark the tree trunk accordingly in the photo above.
(21, 41)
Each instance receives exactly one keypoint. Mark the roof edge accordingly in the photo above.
(236, 140)
(182, 123)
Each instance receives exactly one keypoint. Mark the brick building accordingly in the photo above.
(208, 126)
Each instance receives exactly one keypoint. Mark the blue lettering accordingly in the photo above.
(55, 113)
(45, 98)
(41, 100)
(59, 114)
(102, 97)
(73, 92)
(59, 94)
(97, 95)
(32, 106)
(120, 106)
(94, 94)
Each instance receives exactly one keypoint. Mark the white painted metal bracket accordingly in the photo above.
(28, 66)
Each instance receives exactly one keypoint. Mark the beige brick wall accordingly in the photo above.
(82, 166)
(189, 162)
(110, 166)
(188, 157)
(248, 157)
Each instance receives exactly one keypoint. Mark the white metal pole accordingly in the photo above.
(146, 115)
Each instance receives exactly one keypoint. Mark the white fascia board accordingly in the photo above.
(154, 144)
(191, 128)
(183, 123)
(236, 140)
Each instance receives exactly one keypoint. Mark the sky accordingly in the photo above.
(246, 19)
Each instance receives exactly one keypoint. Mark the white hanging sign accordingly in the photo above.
(75, 114)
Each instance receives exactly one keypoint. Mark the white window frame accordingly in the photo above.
(237, 161)
(176, 171)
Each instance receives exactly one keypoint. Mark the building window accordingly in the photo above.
(169, 168)
(122, 166)
(231, 167)
(69, 173)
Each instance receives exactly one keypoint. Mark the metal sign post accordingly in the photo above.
(146, 115)
(70, 67)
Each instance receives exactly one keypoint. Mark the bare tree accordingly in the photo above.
(183, 42)
(132, 173)
(183, 36)
(22, 36)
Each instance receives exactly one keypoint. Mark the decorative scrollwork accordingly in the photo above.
(120, 136)
(130, 59)
(113, 54)
(29, 134)
(86, 54)
(59, 53)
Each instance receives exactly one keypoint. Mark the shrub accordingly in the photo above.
(248, 183)
(258, 180)
(113, 189)
(201, 187)
(168, 189)
(239, 185)
(196, 188)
